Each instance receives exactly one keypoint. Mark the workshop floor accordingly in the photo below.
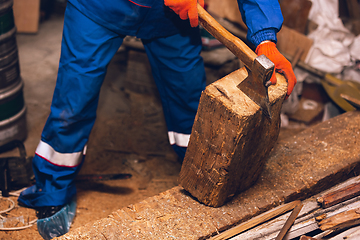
(129, 135)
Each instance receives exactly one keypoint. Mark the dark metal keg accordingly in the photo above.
(12, 115)
(12, 105)
(9, 59)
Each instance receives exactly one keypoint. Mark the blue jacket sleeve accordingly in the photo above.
(263, 19)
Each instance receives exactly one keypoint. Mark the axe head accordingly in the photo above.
(255, 86)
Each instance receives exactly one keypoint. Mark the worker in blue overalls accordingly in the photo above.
(93, 32)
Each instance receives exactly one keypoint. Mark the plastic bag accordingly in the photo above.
(59, 223)
(331, 49)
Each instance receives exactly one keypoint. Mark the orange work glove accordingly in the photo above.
(186, 9)
(282, 65)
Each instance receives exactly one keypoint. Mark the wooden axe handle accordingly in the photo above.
(234, 44)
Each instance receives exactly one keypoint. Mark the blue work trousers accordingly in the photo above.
(86, 51)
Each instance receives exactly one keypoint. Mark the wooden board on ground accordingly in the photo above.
(298, 167)
(230, 140)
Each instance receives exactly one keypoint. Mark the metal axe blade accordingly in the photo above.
(255, 86)
(261, 67)
(257, 92)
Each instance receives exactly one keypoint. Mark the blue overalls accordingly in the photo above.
(93, 32)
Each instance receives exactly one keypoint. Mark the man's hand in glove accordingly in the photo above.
(282, 65)
(186, 9)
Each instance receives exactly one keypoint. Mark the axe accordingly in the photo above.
(260, 68)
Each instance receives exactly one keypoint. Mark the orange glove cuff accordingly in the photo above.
(282, 65)
(186, 9)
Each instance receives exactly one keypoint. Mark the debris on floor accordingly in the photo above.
(332, 220)
(299, 167)
(130, 138)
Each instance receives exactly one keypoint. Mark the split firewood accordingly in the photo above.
(341, 221)
(340, 195)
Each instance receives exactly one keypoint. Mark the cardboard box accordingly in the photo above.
(228, 9)
(27, 15)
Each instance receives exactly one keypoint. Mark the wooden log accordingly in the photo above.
(298, 167)
(230, 140)
(339, 195)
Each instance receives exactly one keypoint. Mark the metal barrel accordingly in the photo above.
(12, 115)
(12, 104)
(9, 60)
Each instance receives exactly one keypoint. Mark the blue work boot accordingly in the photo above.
(55, 221)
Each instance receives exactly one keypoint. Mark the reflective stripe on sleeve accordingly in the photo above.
(46, 152)
(179, 139)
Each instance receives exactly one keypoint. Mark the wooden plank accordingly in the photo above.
(257, 220)
(306, 220)
(340, 195)
(289, 222)
(230, 140)
(297, 168)
(341, 221)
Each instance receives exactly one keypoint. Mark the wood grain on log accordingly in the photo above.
(230, 140)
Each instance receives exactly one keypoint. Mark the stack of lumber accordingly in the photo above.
(333, 214)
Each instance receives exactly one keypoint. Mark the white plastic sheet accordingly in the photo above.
(331, 50)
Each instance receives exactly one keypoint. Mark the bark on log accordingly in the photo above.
(230, 140)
